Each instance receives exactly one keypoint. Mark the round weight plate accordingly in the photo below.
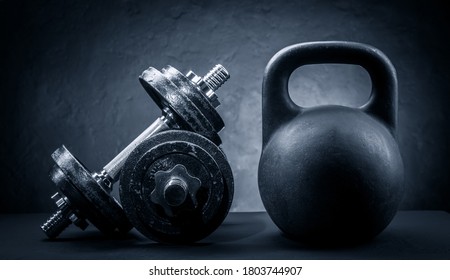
(195, 96)
(162, 152)
(85, 194)
(167, 94)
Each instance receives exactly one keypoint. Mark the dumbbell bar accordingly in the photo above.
(187, 102)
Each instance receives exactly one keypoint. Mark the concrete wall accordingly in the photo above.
(68, 75)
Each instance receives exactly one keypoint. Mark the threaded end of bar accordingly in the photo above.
(55, 224)
(216, 77)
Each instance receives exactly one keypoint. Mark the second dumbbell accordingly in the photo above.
(187, 102)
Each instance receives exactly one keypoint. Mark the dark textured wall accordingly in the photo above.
(68, 75)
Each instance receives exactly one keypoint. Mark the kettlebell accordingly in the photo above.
(330, 175)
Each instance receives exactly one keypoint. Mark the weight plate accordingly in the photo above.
(202, 159)
(83, 191)
(196, 96)
(167, 94)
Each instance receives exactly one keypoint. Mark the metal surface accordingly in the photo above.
(179, 111)
(197, 91)
(173, 186)
(112, 169)
(148, 171)
(171, 89)
(330, 174)
(82, 198)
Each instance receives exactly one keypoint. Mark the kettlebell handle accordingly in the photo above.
(278, 107)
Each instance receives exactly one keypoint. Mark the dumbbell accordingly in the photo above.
(187, 102)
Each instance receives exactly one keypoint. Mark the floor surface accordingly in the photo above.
(411, 235)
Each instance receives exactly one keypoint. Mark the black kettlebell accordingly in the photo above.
(330, 175)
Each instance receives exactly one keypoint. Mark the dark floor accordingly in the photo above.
(411, 235)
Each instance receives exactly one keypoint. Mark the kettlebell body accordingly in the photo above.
(330, 174)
